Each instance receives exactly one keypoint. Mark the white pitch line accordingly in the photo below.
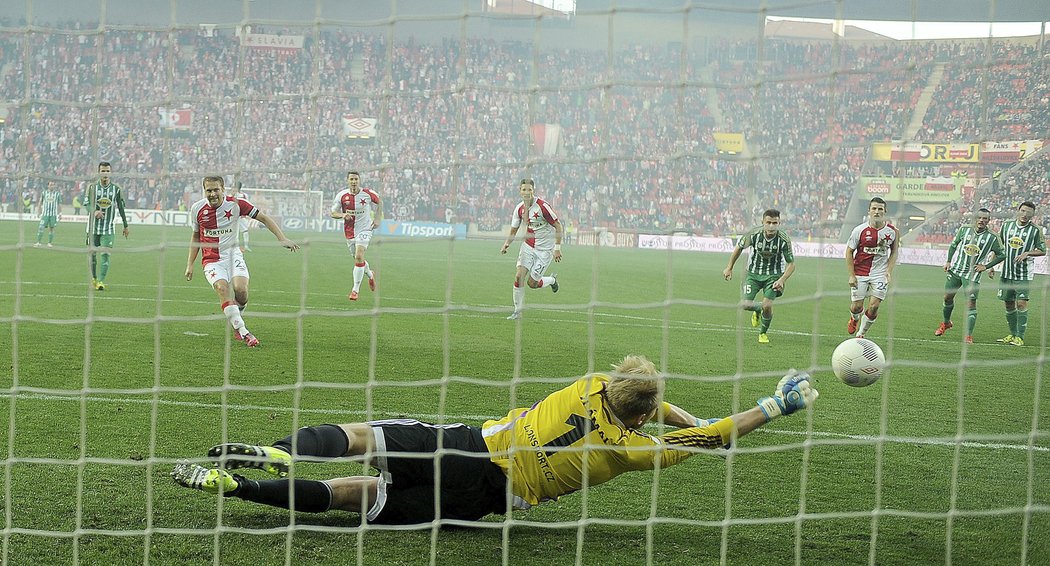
(477, 418)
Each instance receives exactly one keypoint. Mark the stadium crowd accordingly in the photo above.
(636, 150)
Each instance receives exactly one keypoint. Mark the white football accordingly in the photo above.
(858, 362)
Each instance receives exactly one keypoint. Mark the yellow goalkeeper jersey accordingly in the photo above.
(570, 439)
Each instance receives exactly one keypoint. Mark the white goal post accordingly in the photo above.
(297, 210)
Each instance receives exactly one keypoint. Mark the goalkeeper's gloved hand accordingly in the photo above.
(792, 393)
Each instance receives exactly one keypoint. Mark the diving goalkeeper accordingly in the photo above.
(532, 455)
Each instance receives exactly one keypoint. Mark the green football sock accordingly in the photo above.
(947, 311)
(104, 268)
(971, 321)
(94, 266)
(1011, 320)
(764, 327)
(1022, 323)
(39, 234)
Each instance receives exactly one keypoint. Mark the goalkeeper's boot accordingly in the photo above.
(372, 281)
(754, 319)
(1017, 341)
(969, 339)
(1008, 339)
(209, 480)
(942, 328)
(554, 286)
(851, 326)
(763, 338)
(352, 296)
(269, 459)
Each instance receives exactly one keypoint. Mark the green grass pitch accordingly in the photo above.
(102, 392)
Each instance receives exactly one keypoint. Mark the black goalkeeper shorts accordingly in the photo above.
(471, 486)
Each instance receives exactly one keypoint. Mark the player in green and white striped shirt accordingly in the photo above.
(769, 266)
(104, 199)
(50, 210)
(1022, 241)
(967, 258)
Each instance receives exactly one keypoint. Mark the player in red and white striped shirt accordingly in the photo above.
(214, 219)
(542, 244)
(361, 211)
(871, 255)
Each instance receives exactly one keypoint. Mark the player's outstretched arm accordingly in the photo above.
(675, 416)
(274, 229)
(792, 394)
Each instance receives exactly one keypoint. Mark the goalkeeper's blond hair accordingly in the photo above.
(634, 388)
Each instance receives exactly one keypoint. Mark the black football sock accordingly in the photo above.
(311, 496)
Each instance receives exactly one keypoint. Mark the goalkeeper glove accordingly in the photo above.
(792, 393)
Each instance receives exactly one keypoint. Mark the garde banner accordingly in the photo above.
(933, 189)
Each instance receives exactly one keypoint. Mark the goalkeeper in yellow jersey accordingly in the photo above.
(582, 435)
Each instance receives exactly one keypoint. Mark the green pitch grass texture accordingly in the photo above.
(946, 458)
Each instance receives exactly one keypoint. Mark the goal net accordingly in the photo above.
(658, 133)
(296, 210)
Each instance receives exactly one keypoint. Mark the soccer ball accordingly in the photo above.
(858, 362)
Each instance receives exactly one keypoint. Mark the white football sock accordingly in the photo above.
(866, 323)
(359, 274)
(233, 314)
(519, 298)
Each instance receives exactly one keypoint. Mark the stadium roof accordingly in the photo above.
(889, 10)
(160, 12)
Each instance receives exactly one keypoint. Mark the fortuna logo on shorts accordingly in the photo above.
(216, 232)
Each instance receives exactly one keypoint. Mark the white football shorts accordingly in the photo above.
(535, 261)
(226, 268)
(360, 239)
(869, 286)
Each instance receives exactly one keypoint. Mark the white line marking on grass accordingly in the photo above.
(867, 439)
